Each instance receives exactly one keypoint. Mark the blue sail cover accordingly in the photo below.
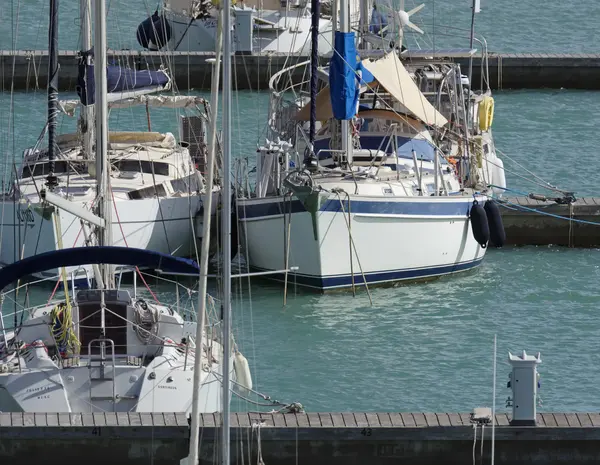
(95, 255)
(342, 77)
(118, 80)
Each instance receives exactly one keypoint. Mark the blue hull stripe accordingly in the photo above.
(358, 206)
(382, 277)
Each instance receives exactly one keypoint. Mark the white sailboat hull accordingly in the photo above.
(394, 239)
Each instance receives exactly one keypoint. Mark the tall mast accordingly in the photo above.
(226, 226)
(347, 146)
(51, 180)
(87, 111)
(204, 250)
(102, 169)
(314, 64)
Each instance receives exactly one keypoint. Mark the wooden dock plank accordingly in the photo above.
(145, 417)
(373, 420)
(256, 420)
(561, 419)
(52, 419)
(361, 420)
(302, 420)
(549, 419)
(465, 418)
(314, 420)
(28, 419)
(349, 420)
(420, 420)
(16, 418)
(338, 421)
(157, 419)
(267, 419)
(455, 419)
(123, 419)
(326, 420)
(584, 420)
(539, 420)
(279, 420)
(64, 419)
(431, 419)
(100, 420)
(181, 418)
(595, 419)
(443, 419)
(111, 419)
(5, 420)
(290, 420)
(396, 420)
(502, 419)
(244, 420)
(572, 420)
(384, 420)
(408, 420)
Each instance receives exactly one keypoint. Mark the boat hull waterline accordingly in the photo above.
(427, 237)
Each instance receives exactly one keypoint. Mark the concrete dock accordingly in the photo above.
(536, 222)
(27, 69)
(94, 438)
(311, 438)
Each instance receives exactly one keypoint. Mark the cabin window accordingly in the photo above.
(144, 166)
(41, 169)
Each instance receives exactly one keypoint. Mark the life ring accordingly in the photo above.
(486, 113)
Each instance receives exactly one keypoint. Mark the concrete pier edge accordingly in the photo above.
(191, 70)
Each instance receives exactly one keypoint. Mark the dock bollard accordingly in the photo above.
(524, 382)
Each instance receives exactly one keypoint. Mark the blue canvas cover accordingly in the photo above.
(95, 255)
(342, 77)
(118, 80)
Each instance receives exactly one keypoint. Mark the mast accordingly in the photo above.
(204, 250)
(475, 9)
(347, 146)
(87, 111)
(102, 169)
(226, 227)
(314, 64)
(51, 180)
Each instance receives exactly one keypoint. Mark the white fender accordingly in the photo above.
(242, 371)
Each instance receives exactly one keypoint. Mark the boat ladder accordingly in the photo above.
(99, 378)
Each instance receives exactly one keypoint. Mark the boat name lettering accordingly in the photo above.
(160, 386)
(210, 23)
(37, 389)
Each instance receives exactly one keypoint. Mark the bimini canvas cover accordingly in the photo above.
(391, 74)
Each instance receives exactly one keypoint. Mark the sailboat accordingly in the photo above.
(387, 183)
(157, 181)
(106, 348)
(271, 26)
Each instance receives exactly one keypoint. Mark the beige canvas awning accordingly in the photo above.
(390, 73)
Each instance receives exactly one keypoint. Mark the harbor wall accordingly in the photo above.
(28, 69)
